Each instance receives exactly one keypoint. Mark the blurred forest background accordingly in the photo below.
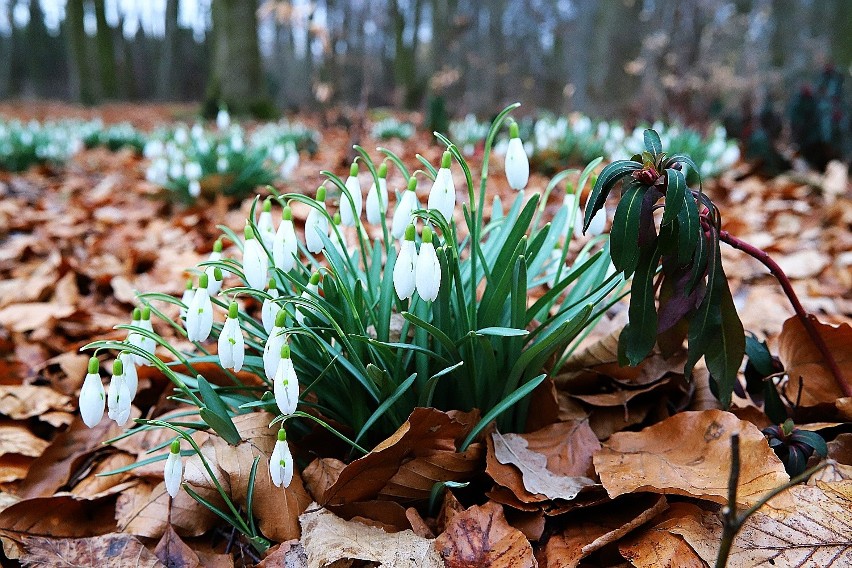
(690, 60)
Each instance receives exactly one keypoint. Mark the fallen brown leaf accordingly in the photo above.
(174, 553)
(113, 550)
(16, 438)
(25, 401)
(690, 454)
(656, 547)
(146, 510)
(49, 516)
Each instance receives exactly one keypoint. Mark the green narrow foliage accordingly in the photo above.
(639, 337)
(604, 184)
(652, 142)
(724, 355)
(675, 192)
(624, 237)
(216, 414)
(689, 230)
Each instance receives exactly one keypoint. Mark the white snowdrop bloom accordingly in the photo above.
(118, 397)
(153, 149)
(311, 288)
(265, 226)
(404, 270)
(377, 197)
(175, 170)
(197, 131)
(281, 461)
(192, 171)
(350, 211)
(555, 259)
(285, 247)
(146, 343)
(215, 276)
(232, 347)
(188, 292)
(255, 261)
(402, 216)
(92, 396)
(428, 269)
(199, 314)
(316, 225)
(237, 144)
(442, 196)
(130, 375)
(133, 338)
(288, 165)
(272, 347)
(194, 188)
(270, 308)
(516, 162)
(598, 224)
(173, 471)
(181, 135)
(286, 384)
(277, 153)
(222, 164)
(223, 119)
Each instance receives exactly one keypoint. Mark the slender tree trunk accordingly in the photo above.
(166, 76)
(80, 73)
(106, 53)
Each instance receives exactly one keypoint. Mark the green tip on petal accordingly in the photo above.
(409, 233)
(267, 204)
(217, 246)
(285, 351)
(427, 235)
(383, 170)
(249, 233)
(280, 318)
(412, 183)
(189, 283)
(569, 188)
(287, 214)
(146, 313)
(336, 218)
(513, 130)
(282, 435)
(353, 169)
(117, 367)
(94, 365)
(203, 281)
(217, 274)
(233, 310)
(446, 159)
(175, 448)
(137, 314)
(315, 278)
(321, 193)
(272, 285)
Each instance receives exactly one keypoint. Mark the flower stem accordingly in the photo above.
(804, 317)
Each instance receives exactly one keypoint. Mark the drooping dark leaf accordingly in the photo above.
(669, 238)
(675, 303)
(652, 142)
(624, 236)
(604, 184)
(683, 159)
(675, 192)
(689, 230)
(707, 318)
(647, 228)
(700, 262)
(640, 335)
(724, 355)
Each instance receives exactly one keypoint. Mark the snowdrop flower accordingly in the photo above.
(516, 162)
(404, 269)
(92, 395)
(118, 398)
(232, 348)
(173, 472)
(269, 309)
(222, 164)
(442, 196)
(286, 384)
(134, 338)
(316, 224)
(130, 375)
(146, 343)
(255, 262)
(199, 314)
(281, 461)
(181, 135)
(197, 131)
(284, 245)
(428, 269)
(377, 197)
(194, 188)
(223, 119)
(265, 227)
(272, 347)
(350, 211)
(192, 171)
(288, 166)
(598, 223)
(340, 244)
(311, 288)
(404, 209)
(214, 273)
(237, 144)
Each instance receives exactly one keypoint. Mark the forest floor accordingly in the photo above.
(77, 241)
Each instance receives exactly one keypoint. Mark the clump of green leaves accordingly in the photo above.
(794, 446)
(390, 127)
(25, 144)
(672, 247)
(115, 137)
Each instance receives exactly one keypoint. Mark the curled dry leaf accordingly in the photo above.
(656, 546)
(690, 454)
(25, 401)
(114, 550)
(480, 536)
(320, 475)
(48, 516)
(805, 364)
(552, 463)
(406, 466)
(328, 539)
(146, 510)
(16, 438)
(175, 553)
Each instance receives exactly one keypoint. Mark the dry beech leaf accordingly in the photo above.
(599, 528)
(146, 510)
(289, 554)
(113, 550)
(406, 466)
(656, 546)
(328, 539)
(33, 315)
(16, 438)
(553, 462)
(802, 359)
(320, 475)
(25, 401)
(175, 553)
(690, 454)
(49, 516)
(813, 533)
(480, 536)
(386, 515)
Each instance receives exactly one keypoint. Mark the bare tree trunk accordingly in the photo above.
(80, 73)
(106, 53)
(166, 76)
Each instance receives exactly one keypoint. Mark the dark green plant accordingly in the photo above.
(794, 446)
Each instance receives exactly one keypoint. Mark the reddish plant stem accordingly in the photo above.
(803, 316)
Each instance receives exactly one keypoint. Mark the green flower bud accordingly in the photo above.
(280, 318)
(203, 281)
(315, 278)
(285, 351)
(287, 213)
(233, 310)
(217, 246)
(146, 313)
(175, 447)
(249, 233)
(282, 435)
(427, 234)
(446, 159)
(412, 183)
(409, 233)
(94, 365)
(321, 193)
(353, 169)
(267, 204)
(513, 130)
(117, 367)
(383, 170)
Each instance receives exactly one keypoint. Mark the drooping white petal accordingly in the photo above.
(286, 386)
(232, 349)
(130, 374)
(92, 400)
(199, 316)
(377, 197)
(301, 310)
(598, 224)
(281, 464)
(517, 164)
(266, 228)
(146, 343)
(442, 196)
(255, 264)
(272, 351)
(173, 473)
(427, 272)
(404, 270)
(285, 246)
(269, 310)
(402, 214)
(118, 400)
(185, 300)
(351, 211)
(315, 225)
